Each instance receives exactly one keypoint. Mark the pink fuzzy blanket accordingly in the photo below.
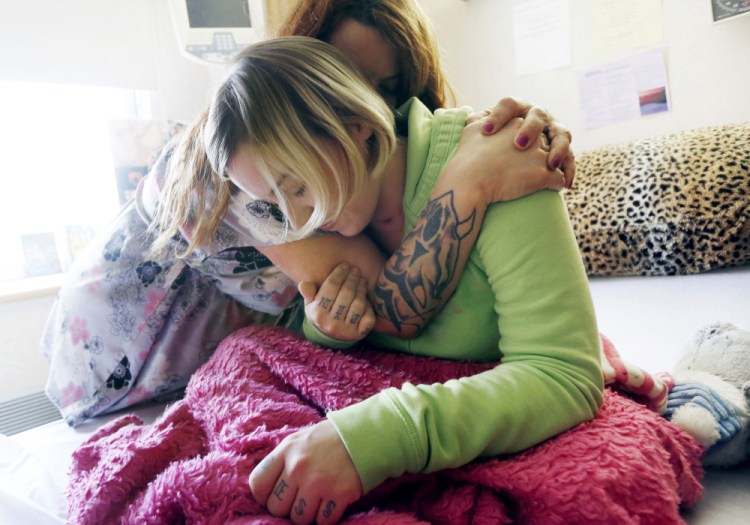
(628, 465)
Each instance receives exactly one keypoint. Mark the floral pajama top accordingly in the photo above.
(127, 327)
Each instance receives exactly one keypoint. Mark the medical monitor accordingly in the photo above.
(214, 30)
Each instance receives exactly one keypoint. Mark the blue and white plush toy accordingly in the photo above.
(711, 396)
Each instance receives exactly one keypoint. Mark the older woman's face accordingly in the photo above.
(371, 53)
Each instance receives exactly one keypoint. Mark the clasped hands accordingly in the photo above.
(536, 123)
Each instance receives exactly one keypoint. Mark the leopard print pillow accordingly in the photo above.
(672, 204)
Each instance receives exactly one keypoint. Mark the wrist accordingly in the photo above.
(468, 190)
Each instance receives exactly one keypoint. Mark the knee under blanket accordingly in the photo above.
(628, 465)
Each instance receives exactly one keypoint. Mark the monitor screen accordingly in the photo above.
(213, 31)
(218, 13)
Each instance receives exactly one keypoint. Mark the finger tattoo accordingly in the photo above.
(340, 311)
(329, 509)
(326, 303)
(280, 488)
(299, 509)
(355, 318)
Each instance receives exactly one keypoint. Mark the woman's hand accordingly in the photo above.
(309, 477)
(536, 121)
(340, 308)
(498, 170)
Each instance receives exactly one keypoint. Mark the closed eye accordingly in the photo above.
(300, 192)
(388, 88)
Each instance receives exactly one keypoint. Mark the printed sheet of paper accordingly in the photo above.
(625, 25)
(624, 89)
(541, 30)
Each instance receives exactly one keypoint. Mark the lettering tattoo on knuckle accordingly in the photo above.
(299, 508)
(328, 510)
(325, 302)
(355, 318)
(340, 311)
(280, 488)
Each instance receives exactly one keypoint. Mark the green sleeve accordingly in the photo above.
(313, 334)
(550, 377)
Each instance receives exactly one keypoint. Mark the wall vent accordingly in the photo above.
(25, 412)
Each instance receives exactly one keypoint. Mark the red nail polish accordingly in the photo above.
(522, 141)
(556, 163)
(488, 128)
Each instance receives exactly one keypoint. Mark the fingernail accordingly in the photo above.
(488, 127)
(556, 163)
(522, 141)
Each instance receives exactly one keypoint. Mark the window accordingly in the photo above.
(58, 181)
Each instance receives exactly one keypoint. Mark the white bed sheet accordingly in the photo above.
(647, 318)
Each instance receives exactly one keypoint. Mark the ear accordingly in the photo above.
(359, 131)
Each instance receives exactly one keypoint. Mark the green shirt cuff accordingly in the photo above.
(362, 428)
(314, 335)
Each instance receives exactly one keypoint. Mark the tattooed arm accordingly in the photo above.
(411, 286)
(422, 273)
(418, 279)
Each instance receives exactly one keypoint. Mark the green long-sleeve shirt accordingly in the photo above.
(523, 297)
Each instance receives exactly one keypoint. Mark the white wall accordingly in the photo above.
(708, 66)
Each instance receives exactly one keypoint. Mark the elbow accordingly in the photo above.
(592, 379)
(582, 371)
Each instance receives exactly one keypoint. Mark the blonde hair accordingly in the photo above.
(403, 24)
(282, 98)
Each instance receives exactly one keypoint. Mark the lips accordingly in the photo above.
(327, 227)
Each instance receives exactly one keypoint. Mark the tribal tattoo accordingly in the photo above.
(416, 276)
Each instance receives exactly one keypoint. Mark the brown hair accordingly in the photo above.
(402, 23)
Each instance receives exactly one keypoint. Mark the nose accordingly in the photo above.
(299, 215)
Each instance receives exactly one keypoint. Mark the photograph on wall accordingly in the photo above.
(128, 178)
(40, 254)
(78, 238)
(653, 100)
(727, 9)
(135, 146)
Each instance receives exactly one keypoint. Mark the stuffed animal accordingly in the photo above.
(711, 396)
